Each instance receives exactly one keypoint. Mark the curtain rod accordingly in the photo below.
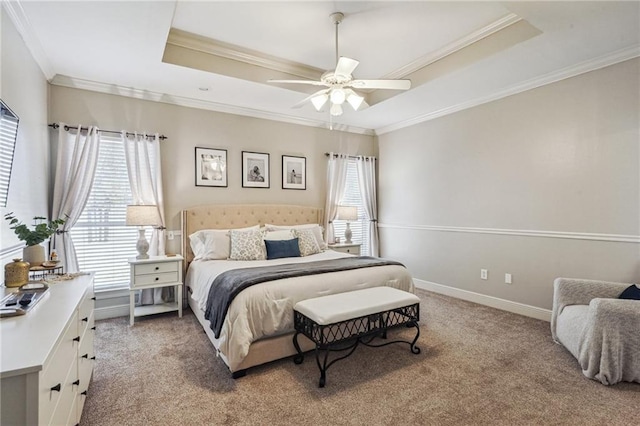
(56, 126)
(350, 156)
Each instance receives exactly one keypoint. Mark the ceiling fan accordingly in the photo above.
(340, 83)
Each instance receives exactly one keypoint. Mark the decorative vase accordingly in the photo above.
(16, 273)
(34, 255)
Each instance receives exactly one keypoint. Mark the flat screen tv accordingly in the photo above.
(8, 134)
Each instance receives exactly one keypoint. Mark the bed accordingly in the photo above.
(258, 326)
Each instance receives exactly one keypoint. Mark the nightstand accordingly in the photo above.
(352, 248)
(155, 272)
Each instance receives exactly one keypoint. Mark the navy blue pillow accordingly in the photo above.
(632, 292)
(277, 249)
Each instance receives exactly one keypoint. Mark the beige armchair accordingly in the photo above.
(601, 331)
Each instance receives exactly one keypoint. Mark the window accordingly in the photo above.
(102, 240)
(359, 228)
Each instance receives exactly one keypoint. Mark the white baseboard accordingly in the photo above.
(111, 312)
(483, 299)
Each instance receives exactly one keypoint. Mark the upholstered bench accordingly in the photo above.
(339, 322)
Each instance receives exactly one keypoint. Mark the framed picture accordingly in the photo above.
(211, 167)
(294, 172)
(255, 170)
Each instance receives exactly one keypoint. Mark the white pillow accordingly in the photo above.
(247, 245)
(307, 242)
(285, 234)
(212, 244)
(317, 231)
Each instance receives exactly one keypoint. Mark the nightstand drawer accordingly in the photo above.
(155, 268)
(144, 280)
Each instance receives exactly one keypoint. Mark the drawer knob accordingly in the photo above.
(76, 339)
(76, 383)
(85, 319)
(93, 358)
(157, 268)
(83, 393)
(157, 278)
(56, 387)
(93, 298)
(93, 328)
(85, 356)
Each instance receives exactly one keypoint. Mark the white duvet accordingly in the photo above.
(267, 309)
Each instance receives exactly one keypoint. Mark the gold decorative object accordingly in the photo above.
(16, 273)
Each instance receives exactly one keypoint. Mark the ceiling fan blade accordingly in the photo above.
(346, 66)
(308, 98)
(313, 83)
(381, 84)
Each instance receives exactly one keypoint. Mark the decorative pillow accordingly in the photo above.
(632, 292)
(307, 242)
(247, 245)
(278, 235)
(317, 231)
(277, 249)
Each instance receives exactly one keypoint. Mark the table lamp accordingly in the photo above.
(139, 215)
(347, 213)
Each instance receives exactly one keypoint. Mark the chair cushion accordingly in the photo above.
(631, 292)
(570, 328)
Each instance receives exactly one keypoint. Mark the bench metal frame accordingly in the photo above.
(346, 335)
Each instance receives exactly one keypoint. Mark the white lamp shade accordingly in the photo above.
(143, 215)
(347, 213)
(355, 101)
(338, 96)
(336, 110)
(319, 101)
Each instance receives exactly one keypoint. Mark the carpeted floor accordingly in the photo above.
(478, 366)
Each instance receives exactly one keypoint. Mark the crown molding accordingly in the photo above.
(25, 29)
(130, 92)
(552, 77)
(451, 48)
(618, 238)
(237, 53)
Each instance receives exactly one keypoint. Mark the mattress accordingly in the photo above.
(266, 309)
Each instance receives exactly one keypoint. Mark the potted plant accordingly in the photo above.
(42, 230)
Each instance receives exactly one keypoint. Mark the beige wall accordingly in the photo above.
(24, 89)
(563, 158)
(187, 128)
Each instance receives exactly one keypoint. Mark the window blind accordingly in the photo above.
(8, 134)
(351, 197)
(102, 240)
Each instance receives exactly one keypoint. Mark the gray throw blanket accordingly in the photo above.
(229, 284)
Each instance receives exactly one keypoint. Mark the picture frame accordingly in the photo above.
(255, 170)
(211, 167)
(294, 172)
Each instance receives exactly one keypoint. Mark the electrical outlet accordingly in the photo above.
(484, 274)
(507, 278)
(170, 235)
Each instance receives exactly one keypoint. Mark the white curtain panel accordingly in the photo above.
(336, 182)
(145, 176)
(367, 179)
(76, 162)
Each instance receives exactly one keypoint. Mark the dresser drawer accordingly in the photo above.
(56, 369)
(65, 407)
(155, 268)
(150, 279)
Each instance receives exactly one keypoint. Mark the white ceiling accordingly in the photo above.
(118, 47)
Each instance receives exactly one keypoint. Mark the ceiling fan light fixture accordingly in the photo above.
(319, 101)
(338, 96)
(336, 110)
(355, 100)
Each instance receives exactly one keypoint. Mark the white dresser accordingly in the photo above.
(47, 357)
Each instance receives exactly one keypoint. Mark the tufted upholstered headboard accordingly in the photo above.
(231, 216)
